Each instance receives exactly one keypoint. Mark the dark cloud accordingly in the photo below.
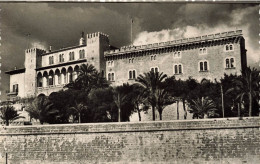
(60, 24)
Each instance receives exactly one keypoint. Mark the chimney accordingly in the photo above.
(15, 68)
(82, 40)
(50, 49)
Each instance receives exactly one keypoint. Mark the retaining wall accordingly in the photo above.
(196, 141)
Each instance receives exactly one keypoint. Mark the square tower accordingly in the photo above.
(32, 61)
(97, 44)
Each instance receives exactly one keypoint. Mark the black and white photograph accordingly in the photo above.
(129, 82)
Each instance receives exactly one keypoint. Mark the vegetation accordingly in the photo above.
(42, 109)
(90, 98)
(152, 82)
(9, 114)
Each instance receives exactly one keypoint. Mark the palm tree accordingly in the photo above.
(201, 106)
(163, 99)
(139, 97)
(8, 114)
(79, 108)
(152, 81)
(247, 85)
(84, 79)
(120, 97)
(41, 109)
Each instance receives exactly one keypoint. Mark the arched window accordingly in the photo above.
(230, 47)
(81, 54)
(201, 66)
(177, 54)
(109, 77)
(130, 74)
(227, 48)
(156, 69)
(154, 58)
(204, 51)
(152, 69)
(205, 66)
(132, 60)
(180, 69)
(129, 60)
(175, 69)
(227, 63)
(232, 62)
(112, 78)
(50, 80)
(71, 55)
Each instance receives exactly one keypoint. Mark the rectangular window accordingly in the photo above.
(15, 88)
(50, 80)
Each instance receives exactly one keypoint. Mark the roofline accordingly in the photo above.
(61, 64)
(64, 49)
(22, 70)
(131, 48)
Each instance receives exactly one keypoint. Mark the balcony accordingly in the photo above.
(13, 93)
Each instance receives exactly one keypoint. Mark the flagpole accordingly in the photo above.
(131, 31)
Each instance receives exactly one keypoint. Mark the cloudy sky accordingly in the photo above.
(61, 24)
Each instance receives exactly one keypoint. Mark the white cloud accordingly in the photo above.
(236, 23)
(39, 45)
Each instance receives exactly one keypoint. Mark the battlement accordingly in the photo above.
(97, 34)
(30, 50)
(179, 41)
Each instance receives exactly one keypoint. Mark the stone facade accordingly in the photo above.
(197, 141)
(207, 56)
(181, 58)
(49, 71)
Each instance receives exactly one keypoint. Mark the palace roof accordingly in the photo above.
(211, 37)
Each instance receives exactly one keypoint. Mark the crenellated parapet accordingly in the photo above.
(177, 45)
(33, 50)
(96, 34)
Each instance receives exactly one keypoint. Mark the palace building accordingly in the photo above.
(208, 56)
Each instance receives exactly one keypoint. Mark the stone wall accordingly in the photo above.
(196, 141)
(189, 59)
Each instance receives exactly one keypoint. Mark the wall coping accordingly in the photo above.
(122, 127)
